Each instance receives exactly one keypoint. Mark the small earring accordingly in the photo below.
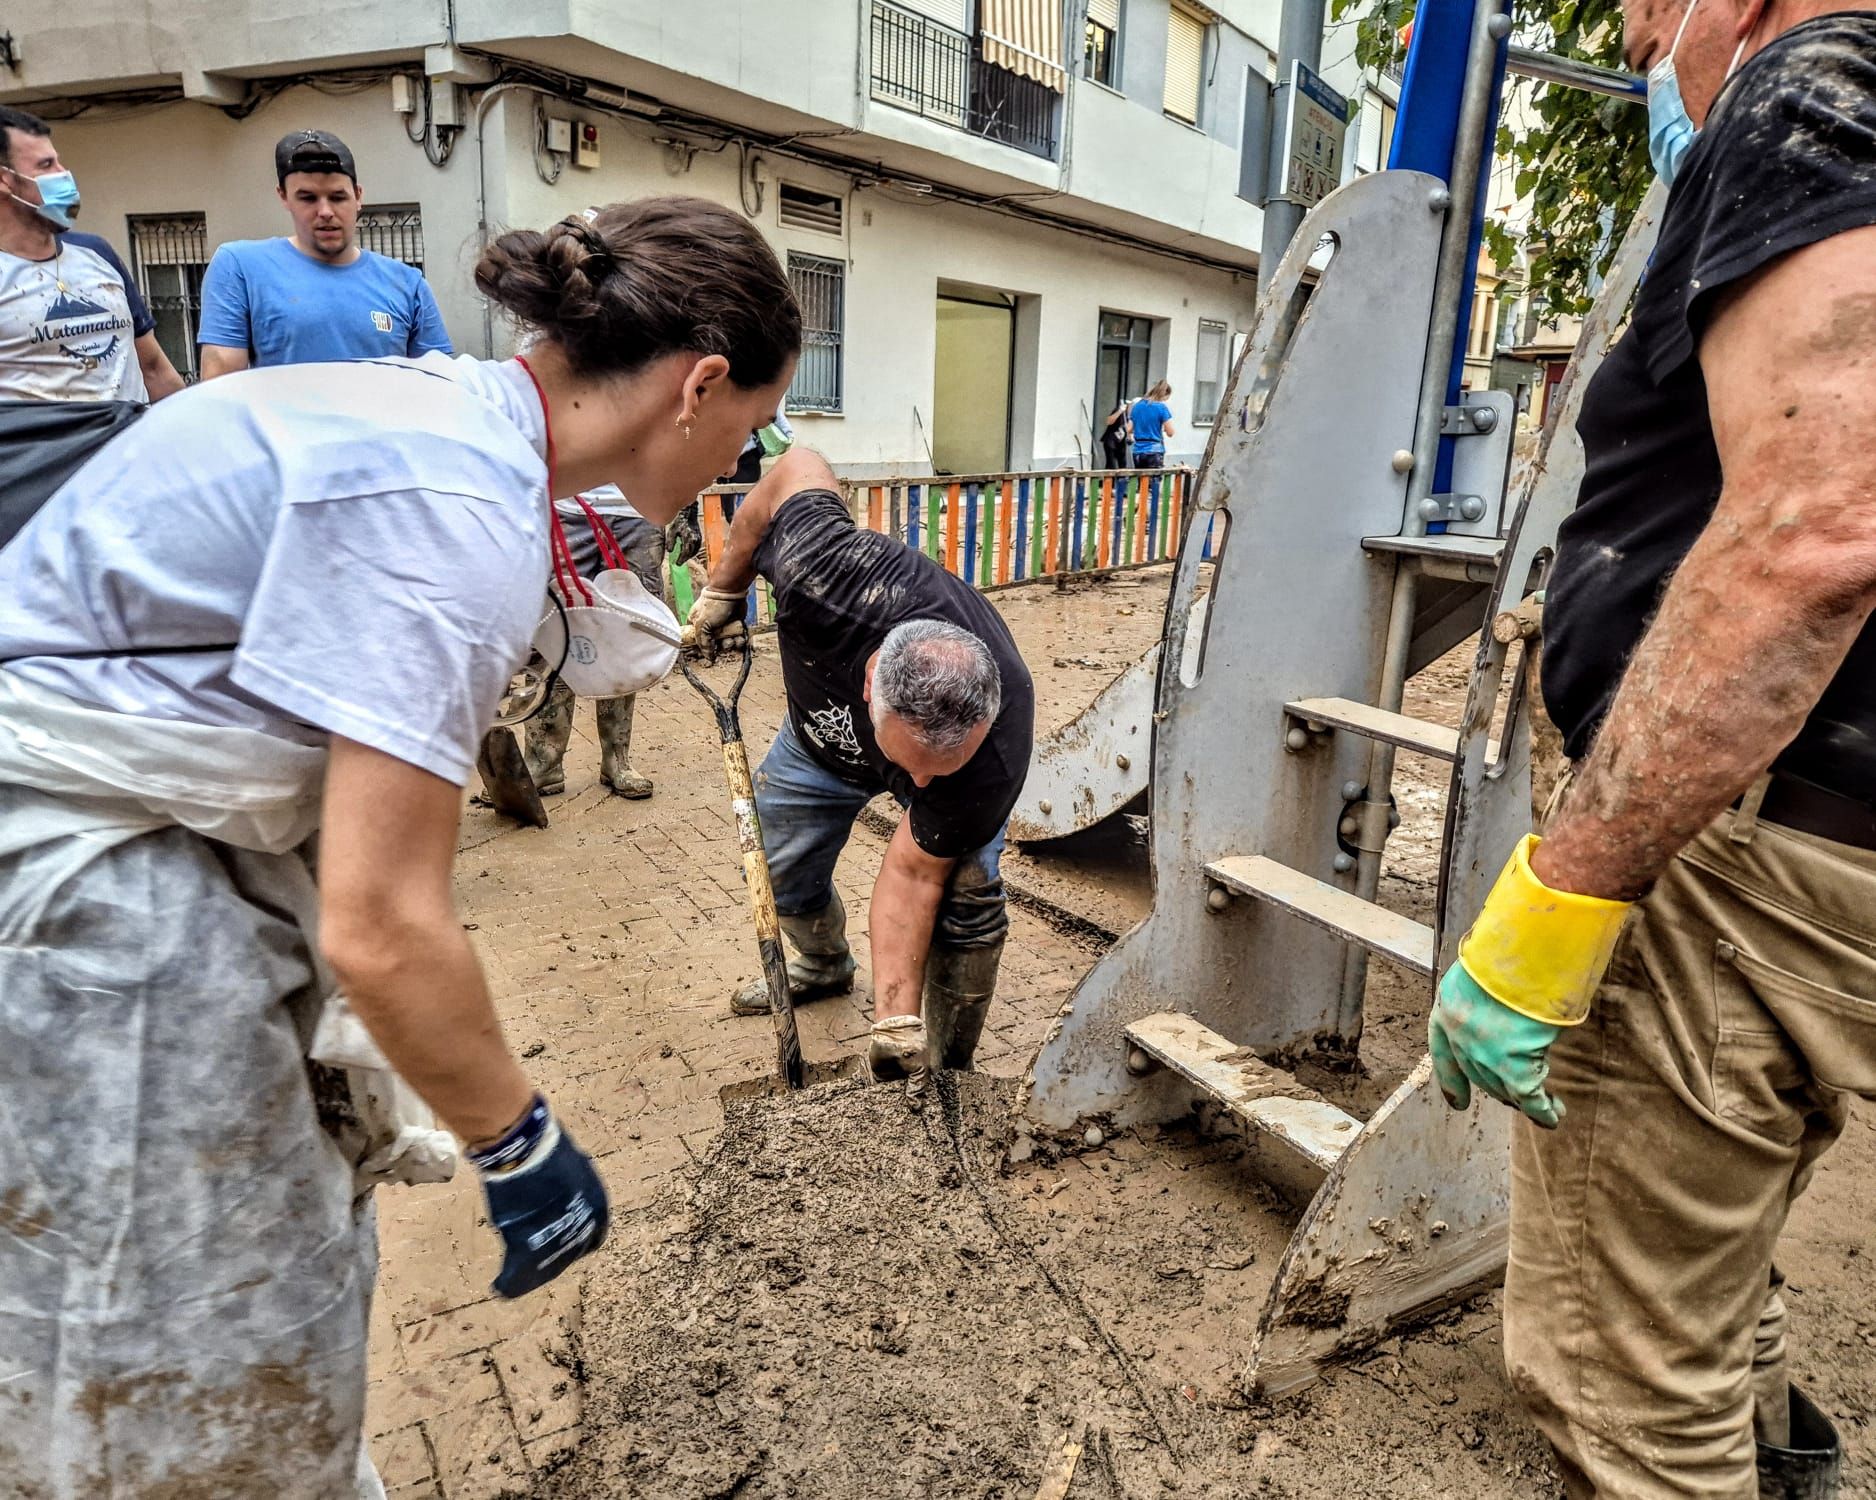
(686, 426)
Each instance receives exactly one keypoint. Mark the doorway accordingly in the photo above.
(970, 429)
(1124, 351)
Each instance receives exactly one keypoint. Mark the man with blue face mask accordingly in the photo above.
(1676, 984)
(73, 326)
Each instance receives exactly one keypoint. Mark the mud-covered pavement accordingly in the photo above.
(1107, 1297)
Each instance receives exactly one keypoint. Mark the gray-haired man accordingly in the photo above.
(901, 679)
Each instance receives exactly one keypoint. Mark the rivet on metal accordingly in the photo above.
(1217, 898)
(1344, 863)
(1402, 461)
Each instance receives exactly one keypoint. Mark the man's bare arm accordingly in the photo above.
(796, 470)
(1762, 612)
(219, 359)
(159, 375)
(906, 897)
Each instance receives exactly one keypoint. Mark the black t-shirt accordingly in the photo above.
(838, 591)
(1787, 158)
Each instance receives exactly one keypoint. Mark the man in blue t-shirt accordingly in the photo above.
(315, 295)
(1152, 425)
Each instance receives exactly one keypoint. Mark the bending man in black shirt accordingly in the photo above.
(901, 679)
(1687, 960)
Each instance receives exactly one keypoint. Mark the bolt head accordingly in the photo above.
(1138, 1063)
(1122, 761)
(1297, 738)
(1348, 828)
(1350, 790)
(1403, 461)
(1472, 507)
(1439, 200)
(1429, 509)
(1344, 863)
(1046, 805)
(1217, 898)
(1498, 28)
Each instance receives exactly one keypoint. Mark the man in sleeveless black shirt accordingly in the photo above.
(1710, 665)
(900, 679)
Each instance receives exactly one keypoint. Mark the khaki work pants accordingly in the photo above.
(1642, 1319)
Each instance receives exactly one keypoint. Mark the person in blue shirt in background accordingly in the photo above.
(1152, 425)
(316, 295)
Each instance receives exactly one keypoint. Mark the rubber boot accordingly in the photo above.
(821, 965)
(548, 733)
(958, 985)
(614, 716)
(1808, 1468)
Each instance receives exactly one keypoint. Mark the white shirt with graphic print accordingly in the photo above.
(67, 327)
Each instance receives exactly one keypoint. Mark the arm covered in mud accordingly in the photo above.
(899, 923)
(795, 472)
(1768, 602)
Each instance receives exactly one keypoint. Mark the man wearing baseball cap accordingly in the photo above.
(316, 294)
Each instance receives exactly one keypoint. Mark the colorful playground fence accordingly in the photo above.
(998, 529)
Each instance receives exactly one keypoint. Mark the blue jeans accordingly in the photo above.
(807, 813)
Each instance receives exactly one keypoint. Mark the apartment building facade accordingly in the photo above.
(1000, 216)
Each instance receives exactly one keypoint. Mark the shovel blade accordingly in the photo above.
(769, 1086)
(504, 773)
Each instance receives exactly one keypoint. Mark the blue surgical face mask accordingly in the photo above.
(1670, 128)
(58, 198)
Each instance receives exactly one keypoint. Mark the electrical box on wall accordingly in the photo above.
(586, 144)
(559, 135)
(403, 93)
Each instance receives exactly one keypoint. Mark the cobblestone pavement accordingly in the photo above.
(611, 941)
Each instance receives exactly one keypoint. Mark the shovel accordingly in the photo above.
(793, 1073)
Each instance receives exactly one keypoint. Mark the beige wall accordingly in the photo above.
(971, 386)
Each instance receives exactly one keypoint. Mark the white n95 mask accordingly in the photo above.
(611, 636)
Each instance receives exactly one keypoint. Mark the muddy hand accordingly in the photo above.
(716, 621)
(545, 1200)
(898, 1050)
(683, 538)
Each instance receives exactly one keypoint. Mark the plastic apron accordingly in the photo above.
(186, 1258)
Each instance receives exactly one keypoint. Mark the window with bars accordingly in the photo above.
(169, 256)
(820, 287)
(1208, 384)
(394, 230)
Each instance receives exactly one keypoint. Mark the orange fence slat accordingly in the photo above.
(716, 532)
(1104, 520)
(952, 528)
(1175, 502)
(1006, 529)
(875, 507)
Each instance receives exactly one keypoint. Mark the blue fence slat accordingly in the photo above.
(1081, 501)
(1019, 559)
(911, 515)
(970, 533)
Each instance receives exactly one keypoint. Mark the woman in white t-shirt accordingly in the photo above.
(289, 600)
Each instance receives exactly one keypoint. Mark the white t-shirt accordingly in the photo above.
(373, 535)
(68, 325)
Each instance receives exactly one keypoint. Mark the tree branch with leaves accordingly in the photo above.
(1580, 159)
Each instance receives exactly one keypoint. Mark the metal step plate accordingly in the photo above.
(1266, 1098)
(1365, 719)
(1400, 940)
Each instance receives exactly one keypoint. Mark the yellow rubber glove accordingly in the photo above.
(1529, 967)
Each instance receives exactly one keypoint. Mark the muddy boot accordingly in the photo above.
(1807, 1469)
(548, 733)
(958, 985)
(614, 716)
(821, 964)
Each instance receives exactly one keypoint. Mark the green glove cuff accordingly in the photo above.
(1537, 951)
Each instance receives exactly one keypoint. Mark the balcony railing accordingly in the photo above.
(934, 70)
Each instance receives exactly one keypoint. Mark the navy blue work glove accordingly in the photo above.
(545, 1201)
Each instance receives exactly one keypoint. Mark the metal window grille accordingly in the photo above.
(168, 256)
(820, 287)
(394, 230)
(920, 64)
(1208, 386)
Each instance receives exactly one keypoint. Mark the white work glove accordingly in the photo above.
(716, 621)
(897, 1050)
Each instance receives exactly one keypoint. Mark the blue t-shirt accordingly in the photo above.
(286, 308)
(1149, 422)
